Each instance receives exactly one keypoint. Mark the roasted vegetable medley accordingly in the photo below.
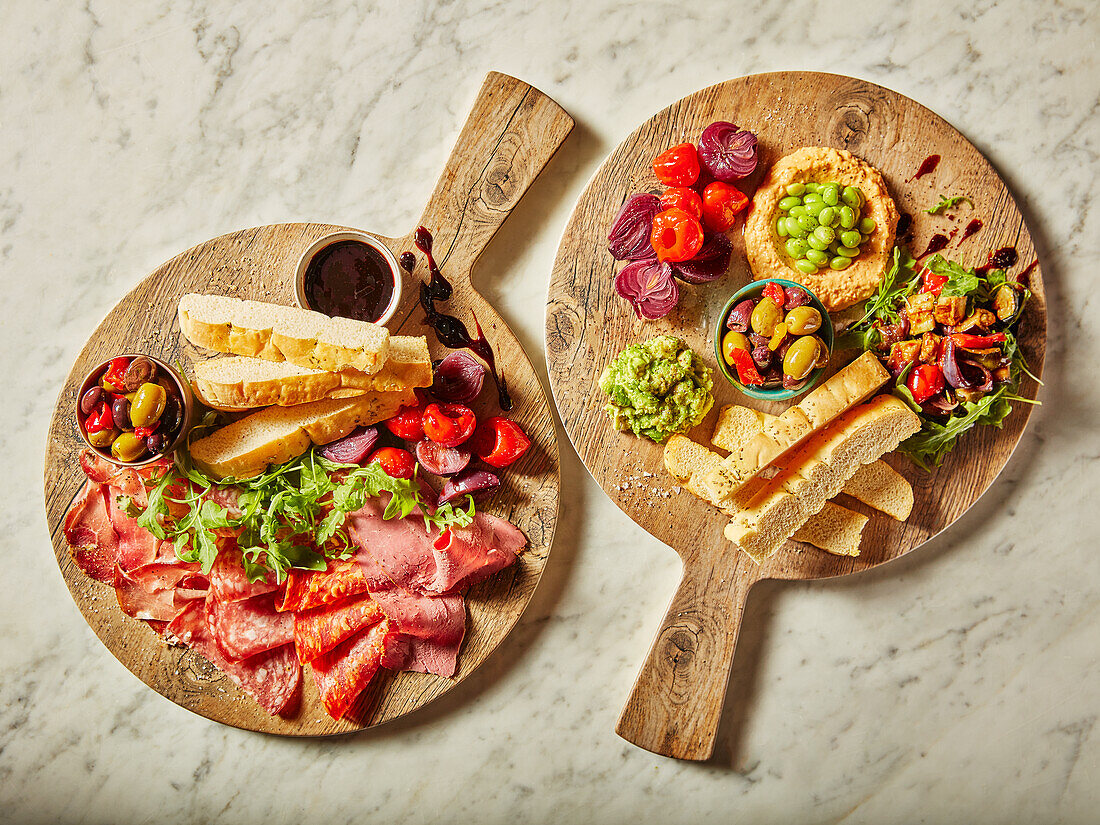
(948, 336)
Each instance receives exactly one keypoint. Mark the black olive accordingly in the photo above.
(90, 400)
(172, 415)
(120, 411)
(141, 371)
(155, 443)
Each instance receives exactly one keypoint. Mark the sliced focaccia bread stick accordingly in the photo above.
(281, 333)
(817, 471)
(877, 484)
(835, 529)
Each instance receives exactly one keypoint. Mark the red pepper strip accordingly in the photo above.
(116, 372)
(145, 432)
(977, 341)
(100, 419)
(775, 292)
(747, 373)
(932, 282)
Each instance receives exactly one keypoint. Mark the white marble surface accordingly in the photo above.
(957, 685)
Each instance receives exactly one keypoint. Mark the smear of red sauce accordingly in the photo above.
(1004, 258)
(1025, 276)
(971, 228)
(935, 244)
(927, 167)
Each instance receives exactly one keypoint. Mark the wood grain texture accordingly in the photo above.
(510, 136)
(676, 702)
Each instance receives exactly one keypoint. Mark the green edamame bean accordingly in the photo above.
(794, 229)
(807, 223)
(814, 209)
(847, 251)
(805, 266)
(831, 194)
(812, 197)
(816, 256)
(798, 211)
(847, 217)
(781, 227)
(827, 216)
(838, 263)
(867, 226)
(787, 203)
(853, 197)
(825, 234)
(850, 238)
(817, 243)
(796, 247)
(796, 189)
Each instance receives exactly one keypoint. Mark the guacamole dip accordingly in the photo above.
(658, 388)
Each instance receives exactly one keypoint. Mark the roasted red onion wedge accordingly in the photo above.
(352, 449)
(628, 239)
(475, 483)
(458, 378)
(650, 288)
(709, 263)
(439, 460)
(727, 152)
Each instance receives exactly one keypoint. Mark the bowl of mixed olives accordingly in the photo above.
(133, 409)
(773, 340)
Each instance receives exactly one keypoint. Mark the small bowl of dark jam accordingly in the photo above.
(349, 274)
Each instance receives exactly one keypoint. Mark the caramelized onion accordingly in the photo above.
(472, 482)
(628, 239)
(458, 378)
(709, 263)
(650, 288)
(727, 152)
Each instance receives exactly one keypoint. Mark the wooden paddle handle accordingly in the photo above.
(509, 136)
(677, 699)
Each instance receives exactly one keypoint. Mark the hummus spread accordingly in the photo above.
(820, 164)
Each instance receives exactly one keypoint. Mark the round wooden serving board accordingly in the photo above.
(508, 138)
(675, 705)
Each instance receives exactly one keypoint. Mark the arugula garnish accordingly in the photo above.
(899, 282)
(291, 516)
(947, 203)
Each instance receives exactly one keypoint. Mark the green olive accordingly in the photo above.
(731, 341)
(801, 357)
(803, 320)
(128, 447)
(103, 438)
(765, 315)
(148, 404)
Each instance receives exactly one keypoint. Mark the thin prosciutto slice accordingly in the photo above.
(271, 678)
(93, 542)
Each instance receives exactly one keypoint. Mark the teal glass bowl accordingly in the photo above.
(754, 290)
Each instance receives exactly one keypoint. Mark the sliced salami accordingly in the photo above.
(319, 630)
(271, 678)
(306, 589)
(343, 673)
(246, 627)
(228, 582)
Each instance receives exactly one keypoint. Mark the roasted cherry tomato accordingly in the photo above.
(932, 282)
(678, 166)
(680, 197)
(776, 293)
(500, 441)
(407, 424)
(396, 462)
(721, 204)
(100, 419)
(747, 373)
(114, 378)
(962, 339)
(448, 424)
(676, 236)
(924, 382)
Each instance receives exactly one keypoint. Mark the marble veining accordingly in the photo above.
(955, 685)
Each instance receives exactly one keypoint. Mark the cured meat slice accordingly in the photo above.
(136, 545)
(271, 678)
(307, 589)
(93, 542)
(319, 630)
(245, 627)
(228, 582)
(129, 480)
(408, 556)
(149, 592)
(467, 555)
(343, 673)
(422, 655)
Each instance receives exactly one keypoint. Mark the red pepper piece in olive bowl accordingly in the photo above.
(133, 409)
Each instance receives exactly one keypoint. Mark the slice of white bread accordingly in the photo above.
(835, 529)
(817, 471)
(850, 386)
(238, 383)
(281, 333)
(275, 435)
(877, 484)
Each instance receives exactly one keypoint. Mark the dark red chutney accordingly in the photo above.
(350, 279)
